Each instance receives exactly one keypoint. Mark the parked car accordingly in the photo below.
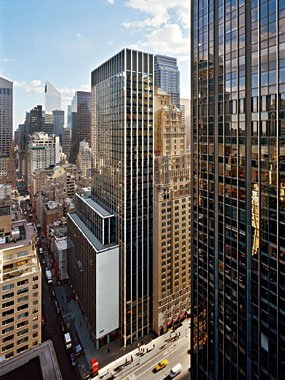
(62, 326)
(73, 359)
(57, 310)
(53, 293)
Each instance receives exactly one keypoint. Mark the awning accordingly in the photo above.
(176, 319)
(182, 315)
(169, 323)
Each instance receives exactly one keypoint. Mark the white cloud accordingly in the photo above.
(7, 60)
(168, 39)
(165, 24)
(80, 41)
(67, 94)
(34, 86)
(111, 1)
(160, 12)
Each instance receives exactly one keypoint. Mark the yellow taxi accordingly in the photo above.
(163, 363)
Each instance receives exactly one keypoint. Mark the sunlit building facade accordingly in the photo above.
(238, 171)
(52, 98)
(122, 144)
(20, 287)
(167, 76)
(171, 241)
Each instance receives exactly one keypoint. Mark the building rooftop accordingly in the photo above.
(26, 233)
(98, 246)
(97, 208)
(37, 363)
(61, 243)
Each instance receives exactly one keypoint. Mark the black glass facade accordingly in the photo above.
(122, 180)
(238, 194)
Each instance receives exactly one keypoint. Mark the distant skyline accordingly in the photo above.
(63, 41)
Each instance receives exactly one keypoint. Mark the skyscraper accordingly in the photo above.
(58, 122)
(122, 144)
(167, 77)
(81, 121)
(6, 124)
(52, 98)
(238, 198)
(171, 242)
(6, 116)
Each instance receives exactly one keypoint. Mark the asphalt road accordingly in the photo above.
(51, 329)
(175, 353)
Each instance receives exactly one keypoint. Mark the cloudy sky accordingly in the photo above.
(62, 41)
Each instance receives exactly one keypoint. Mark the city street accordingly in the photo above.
(51, 329)
(139, 363)
(176, 353)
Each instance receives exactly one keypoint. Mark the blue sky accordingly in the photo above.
(62, 41)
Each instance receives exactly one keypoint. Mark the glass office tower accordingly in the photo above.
(122, 180)
(238, 195)
(167, 76)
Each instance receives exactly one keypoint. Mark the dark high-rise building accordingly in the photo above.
(238, 197)
(35, 120)
(167, 77)
(81, 121)
(118, 216)
(6, 116)
(58, 122)
(122, 145)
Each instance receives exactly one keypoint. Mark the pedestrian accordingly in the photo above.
(126, 361)
(132, 358)
(179, 333)
(108, 349)
(153, 346)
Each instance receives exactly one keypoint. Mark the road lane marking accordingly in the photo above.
(175, 348)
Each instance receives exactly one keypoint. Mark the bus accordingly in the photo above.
(48, 276)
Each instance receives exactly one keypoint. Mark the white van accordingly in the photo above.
(175, 370)
(67, 341)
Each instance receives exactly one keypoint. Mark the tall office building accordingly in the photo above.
(122, 127)
(66, 142)
(42, 152)
(69, 116)
(81, 121)
(52, 98)
(171, 241)
(35, 120)
(238, 173)
(58, 122)
(167, 77)
(6, 116)
(185, 109)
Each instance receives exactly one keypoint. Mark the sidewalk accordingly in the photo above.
(143, 353)
(113, 354)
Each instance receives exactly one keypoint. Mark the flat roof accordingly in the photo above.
(38, 363)
(97, 208)
(98, 246)
(27, 232)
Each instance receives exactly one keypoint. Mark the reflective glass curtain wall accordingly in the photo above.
(238, 195)
(122, 148)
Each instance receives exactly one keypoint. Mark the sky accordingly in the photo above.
(62, 41)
